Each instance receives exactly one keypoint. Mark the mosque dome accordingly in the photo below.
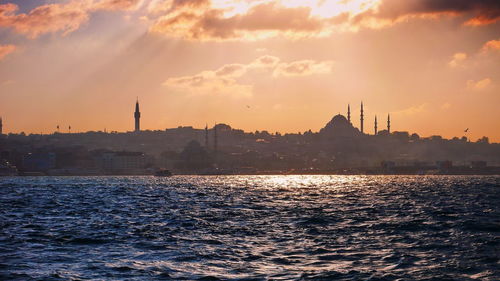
(339, 126)
(339, 119)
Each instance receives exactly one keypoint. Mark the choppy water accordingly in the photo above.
(250, 228)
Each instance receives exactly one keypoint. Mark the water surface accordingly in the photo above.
(250, 228)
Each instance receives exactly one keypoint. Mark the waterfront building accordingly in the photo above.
(123, 161)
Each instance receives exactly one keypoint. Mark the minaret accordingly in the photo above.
(349, 113)
(376, 125)
(389, 123)
(362, 118)
(137, 116)
(206, 136)
(1, 126)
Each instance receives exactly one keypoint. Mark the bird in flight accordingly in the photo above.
(466, 130)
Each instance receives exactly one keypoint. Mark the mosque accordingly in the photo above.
(340, 126)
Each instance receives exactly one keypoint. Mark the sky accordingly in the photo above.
(280, 66)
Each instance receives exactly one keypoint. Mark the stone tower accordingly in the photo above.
(137, 116)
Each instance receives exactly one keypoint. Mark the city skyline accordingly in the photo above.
(347, 116)
(80, 63)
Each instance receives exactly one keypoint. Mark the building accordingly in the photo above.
(39, 162)
(123, 161)
(340, 126)
(7, 169)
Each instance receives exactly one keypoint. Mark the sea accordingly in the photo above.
(250, 228)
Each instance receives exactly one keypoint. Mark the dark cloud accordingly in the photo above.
(117, 4)
(190, 3)
(480, 11)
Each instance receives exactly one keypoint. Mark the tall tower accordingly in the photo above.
(349, 113)
(137, 116)
(1, 126)
(389, 123)
(362, 118)
(376, 125)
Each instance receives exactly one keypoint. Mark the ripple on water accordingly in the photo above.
(250, 228)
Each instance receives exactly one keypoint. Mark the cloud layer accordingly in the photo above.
(51, 18)
(216, 20)
(477, 12)
(479, 85)
(44, 19)
(245, 20)
(224, 80)
(258, 22)
(492, 45)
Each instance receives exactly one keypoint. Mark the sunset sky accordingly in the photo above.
(285, 66)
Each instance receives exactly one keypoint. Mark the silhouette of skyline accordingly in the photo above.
(137, 124)
(338, 147)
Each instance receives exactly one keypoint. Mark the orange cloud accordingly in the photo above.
(265, 62)
(478, 85)
(231, 70)
(216, 20)
(457, 60)
(252, 20)
(44, 19)
(303, 68)
(114, 5)
(52, 18)
(5, 50)
(260, 21)
(482, 20)
(491, 45)
(156, 7)
(417, 109)
(217, 82)
(224, 79)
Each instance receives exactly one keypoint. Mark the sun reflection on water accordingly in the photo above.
(283, 227)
